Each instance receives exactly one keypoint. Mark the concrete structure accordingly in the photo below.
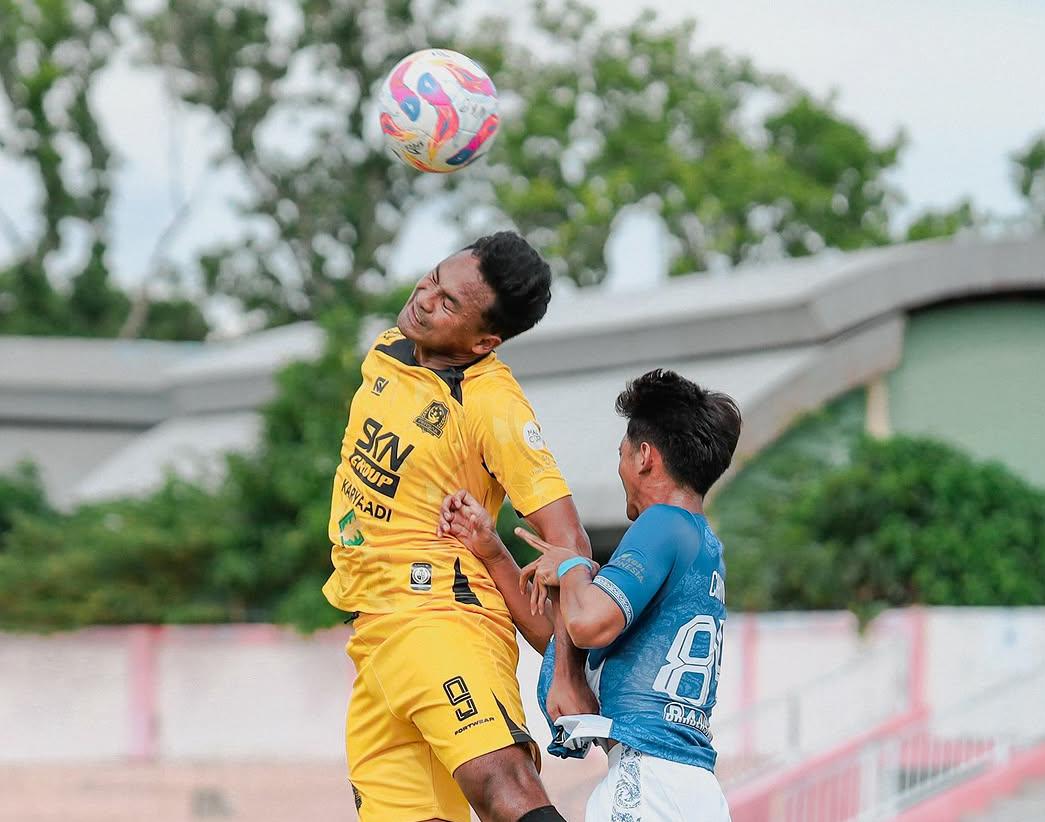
(105, 418)
(115, 723)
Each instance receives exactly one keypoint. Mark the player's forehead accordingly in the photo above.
(460, 277)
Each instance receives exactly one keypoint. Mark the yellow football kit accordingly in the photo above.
(434, 645)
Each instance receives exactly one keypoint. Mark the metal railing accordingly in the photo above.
(887, 776)
(811, 717)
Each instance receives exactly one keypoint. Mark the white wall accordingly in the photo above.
(264, 693)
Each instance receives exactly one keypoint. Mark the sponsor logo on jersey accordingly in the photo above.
(629, 561)
(350, 536)
(718, 587)
(433, 419)
(459, 695)
(532, 435)
(380, 383)
(363, 504)
(690, 717)
(421, 576)
(378, 457)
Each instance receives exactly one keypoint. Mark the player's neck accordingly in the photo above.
(440, 361)
(671, 494)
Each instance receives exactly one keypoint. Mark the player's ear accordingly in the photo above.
(485, 344)
(647, 456)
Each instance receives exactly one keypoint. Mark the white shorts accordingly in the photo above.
(642, 788)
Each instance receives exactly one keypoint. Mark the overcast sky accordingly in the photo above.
(965, 78)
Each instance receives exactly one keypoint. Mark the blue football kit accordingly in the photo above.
(657, 681)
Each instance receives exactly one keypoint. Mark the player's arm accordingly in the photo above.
(464, 518)
(598, 607)
(559, 522)
(515, 454)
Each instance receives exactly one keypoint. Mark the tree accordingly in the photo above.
(252, 548)
(290, 86)
(595, 121)
(639, 115)
(51, 52)
(829, 518)
(932, 223)
(1030, 177)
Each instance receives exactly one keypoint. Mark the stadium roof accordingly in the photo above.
(783, 338)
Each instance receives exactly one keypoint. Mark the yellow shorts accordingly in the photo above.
(433, 690)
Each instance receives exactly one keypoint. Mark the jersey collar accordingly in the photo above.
(402, 350)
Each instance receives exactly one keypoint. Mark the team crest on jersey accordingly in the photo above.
(380, 384)
(421, 576)
(433, 419)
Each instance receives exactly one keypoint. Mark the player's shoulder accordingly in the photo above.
(387, 338)
(490, 379)
(392, 349)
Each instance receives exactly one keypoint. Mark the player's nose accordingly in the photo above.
(426, 300)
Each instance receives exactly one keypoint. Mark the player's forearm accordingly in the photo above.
(535, 628)
(587, 615)
(569, 658)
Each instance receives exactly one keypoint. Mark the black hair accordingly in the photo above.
(519, 278)
(694, 429)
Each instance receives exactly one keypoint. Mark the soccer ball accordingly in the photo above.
(438, 110)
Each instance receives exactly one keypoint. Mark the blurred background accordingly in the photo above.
(835, 212)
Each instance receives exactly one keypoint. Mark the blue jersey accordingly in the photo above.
(657, 681)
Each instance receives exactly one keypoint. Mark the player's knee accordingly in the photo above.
(502, 786)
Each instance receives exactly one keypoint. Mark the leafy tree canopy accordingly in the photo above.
(828, 518)
(58, 281)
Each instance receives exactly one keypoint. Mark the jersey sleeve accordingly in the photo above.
(513, 449)
(640, 565)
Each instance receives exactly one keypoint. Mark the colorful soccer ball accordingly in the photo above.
(438, 110)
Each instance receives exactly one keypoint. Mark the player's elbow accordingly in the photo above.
(582, 543)
(537, 636)
(588, 632)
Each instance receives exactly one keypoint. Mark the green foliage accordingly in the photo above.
(21, 495)
(51, 54)
(1030, 176)
(595, 121)
(252, 548)
(320, 217)
(887, 523)
(759, 499)
(932, 224)
(639, 115)
(738, 164)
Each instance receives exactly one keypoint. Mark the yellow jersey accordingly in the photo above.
(415, 435)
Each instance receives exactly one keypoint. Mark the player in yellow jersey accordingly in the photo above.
(436, 721)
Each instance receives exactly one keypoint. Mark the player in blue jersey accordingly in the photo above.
(653, 616)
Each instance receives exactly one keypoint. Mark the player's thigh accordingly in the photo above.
(452, 676)
(670, 790)
(620, 792)
(655, 790)
(395, 775)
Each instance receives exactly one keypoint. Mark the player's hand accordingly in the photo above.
(464, 518)
(567, 697)
(543, 572)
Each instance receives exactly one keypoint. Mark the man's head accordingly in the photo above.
(475, 299)
(678, 433)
